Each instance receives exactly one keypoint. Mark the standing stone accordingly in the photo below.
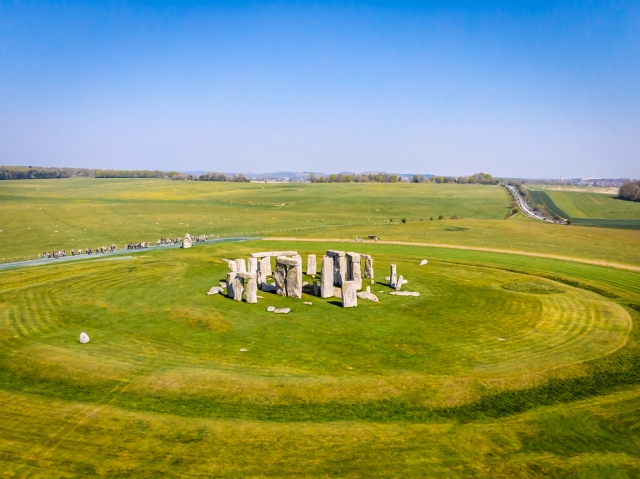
(230, 277)
(241, 265)
(353, 269)
(392, 276)
(316, 289)
(251, 289)
(368, 267)
(267, 265)
(186, 242)
(233, 266)
(399, 283)
(280, 276)
(238, 287)
(294, 281)
(339, 266)
(252, 266)
(349, 295)
(84, 338)
(326, 278)
(342, 269)
(262, 273)
(311, 265)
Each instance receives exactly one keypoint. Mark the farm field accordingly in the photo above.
(594, 205)
(78, 213)
(504, 366)
(605, 190)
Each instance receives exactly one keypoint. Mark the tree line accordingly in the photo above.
(478, 178)
(174, 175)
(630, 191)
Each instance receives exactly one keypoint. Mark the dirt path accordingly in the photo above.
(474, 248)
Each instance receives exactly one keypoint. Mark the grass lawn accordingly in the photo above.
(504, 366)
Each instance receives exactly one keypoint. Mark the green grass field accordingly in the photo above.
(43, 215)
(407, 387)
(506, 365)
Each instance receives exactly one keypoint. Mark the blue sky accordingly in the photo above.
(529, 89)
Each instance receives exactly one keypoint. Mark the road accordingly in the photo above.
(524, 207)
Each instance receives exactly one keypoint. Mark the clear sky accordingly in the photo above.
(527, 89)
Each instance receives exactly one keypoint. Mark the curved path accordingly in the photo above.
(38, 262)
(472, 248)
(524, 207)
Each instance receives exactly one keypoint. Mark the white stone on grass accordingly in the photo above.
(271, 309)
(368, 296)
(423, 262)
(282, 310)
(399, 283)
(243, 350)
(404, 293)
(84, 338)
(349, 294)
(308, 303)
(215, 290)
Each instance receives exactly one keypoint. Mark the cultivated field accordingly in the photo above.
(506, 365)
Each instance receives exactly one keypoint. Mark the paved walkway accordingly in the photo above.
(113, 254)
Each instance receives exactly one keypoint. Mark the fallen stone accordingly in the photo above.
(337, 292)
(282, 310)
(269, 288)
(387, 278)
(223, 284)
(243, 350)
(215, 290)
(423, 262)
(368, 296)
(308, 303)
(84, 338)
(259, 297)
(271, 308)
(404, 293)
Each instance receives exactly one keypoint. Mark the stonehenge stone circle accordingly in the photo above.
(84, 338)
(369, 296)
(311, 265)
(349, 295)
(326, 279)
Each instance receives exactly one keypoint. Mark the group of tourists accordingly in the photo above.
(87, 251)
(105, 249)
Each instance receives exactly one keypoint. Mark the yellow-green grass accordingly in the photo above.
(79, 213)
(409, 387)
(76, 213)
(594, 205)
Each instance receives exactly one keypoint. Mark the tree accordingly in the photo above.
(630, 191)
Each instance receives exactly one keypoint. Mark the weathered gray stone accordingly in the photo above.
(399, 283)
(237, 288)
(252, 266)
(392, 276)
(353, 269)
(308, 303)
(282, 310)
(215, 290)
(269, 288)
(368, 296)
(84, 338)
(295, 261)
(271, 309)
(233, 266)
(337, 292)
(368, 267)
(267, 254)
(349, 295)
(404, 293)
(294, 281)
(342, 270)
(311, 265)
(326, 279)
(280, 276)
(230, 277)
(241, 266)
(308, 289)
(423, 262)
(339, 266)
(186, 242)
(251, 289)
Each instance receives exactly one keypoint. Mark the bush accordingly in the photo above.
(440, 217)
(455, 217)
(404, 220)
(630, 191)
